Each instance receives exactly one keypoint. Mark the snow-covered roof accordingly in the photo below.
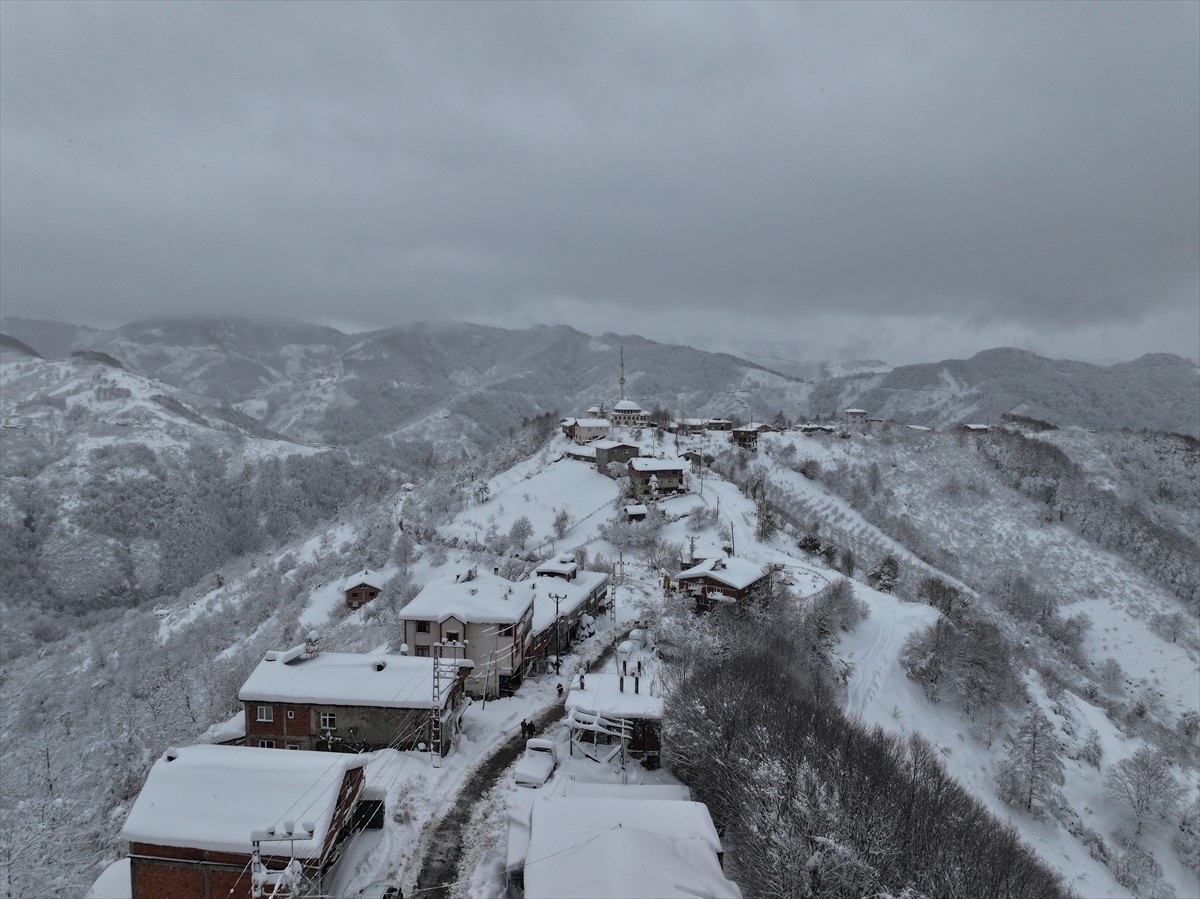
(617, 848)
(592, 422)
(115, 882)
(574, 594)
(575, 789)
(602, 694)
(856, 411)
(645, 464)
(707, 549)
(613, 444)
(212, 797)
(976, 427)
(637, 509)
(733, 572)
(224, 731)
(561, 565)
(366, 576)
(348, 678)
(919, 428)
(582, 452)
(627, 406)
(484, 598)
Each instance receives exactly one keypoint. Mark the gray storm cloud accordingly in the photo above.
(1013, 169)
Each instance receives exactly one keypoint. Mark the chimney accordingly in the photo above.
(171, 754)
(496, 570)
(380, 664)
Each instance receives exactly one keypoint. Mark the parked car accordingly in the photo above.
(381, 889)
(538, 763)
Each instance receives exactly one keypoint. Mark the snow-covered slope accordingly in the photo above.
(1159, 392)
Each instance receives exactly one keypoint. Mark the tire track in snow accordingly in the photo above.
(871, 670)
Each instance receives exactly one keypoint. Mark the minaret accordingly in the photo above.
(622, 378)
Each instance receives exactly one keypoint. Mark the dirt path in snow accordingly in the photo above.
(440, 863)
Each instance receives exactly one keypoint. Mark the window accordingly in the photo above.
(328, 721)
(293, 746)
(421, 652)
(266, 713)
(507, 630)
(451, 636)
(266, 744)
(291, 714)
(422, 627)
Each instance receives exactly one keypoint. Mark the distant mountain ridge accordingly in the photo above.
(1159, 392)
(460, 386)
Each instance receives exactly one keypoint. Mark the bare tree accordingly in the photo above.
(1145, 784)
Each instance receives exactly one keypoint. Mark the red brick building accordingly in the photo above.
(190, 829)
(352, 702)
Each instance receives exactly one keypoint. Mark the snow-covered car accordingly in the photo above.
(381, 889)
(538, 763)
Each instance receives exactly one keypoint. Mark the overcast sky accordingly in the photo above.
(901, 181)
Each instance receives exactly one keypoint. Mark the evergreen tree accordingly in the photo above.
(883, 576)
(1034, 768)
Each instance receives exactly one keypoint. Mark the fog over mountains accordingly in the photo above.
(468, 383)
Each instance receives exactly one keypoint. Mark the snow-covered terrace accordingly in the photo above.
(602, 694)
(212, 797)
(349, 679)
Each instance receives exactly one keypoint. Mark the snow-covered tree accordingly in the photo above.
(1187, 840)
(1144, 784)
(885, 574)
(1033, 771)
(521, 531)
(562, 521)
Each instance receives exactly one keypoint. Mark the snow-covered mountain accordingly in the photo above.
(156, 540)
(938, 505)
(460, 386)
(1156, 392)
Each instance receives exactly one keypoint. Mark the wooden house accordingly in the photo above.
(721, 579)
(360, 589)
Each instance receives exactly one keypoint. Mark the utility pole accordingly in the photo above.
(435, 712)
(557, 597)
